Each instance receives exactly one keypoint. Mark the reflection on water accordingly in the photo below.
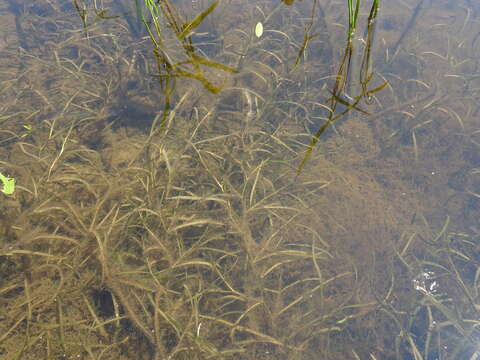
(159, 210)
(426, 283)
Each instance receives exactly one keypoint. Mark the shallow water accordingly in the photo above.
(205, 191)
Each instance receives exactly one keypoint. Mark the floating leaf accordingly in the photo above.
(8, 184)
(259, 29)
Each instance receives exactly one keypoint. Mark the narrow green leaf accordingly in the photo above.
(373, 91)
(187, 28)
(347, 104)
(203, 61)
(103, 15)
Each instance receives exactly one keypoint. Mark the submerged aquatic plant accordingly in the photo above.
(195, 243)
(169, 68)
(340, 92)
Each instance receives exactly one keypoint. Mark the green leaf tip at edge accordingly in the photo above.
(8, 184)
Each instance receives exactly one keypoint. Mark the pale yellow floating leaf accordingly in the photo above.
(259, 29)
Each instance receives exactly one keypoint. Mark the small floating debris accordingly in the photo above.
(259, 29)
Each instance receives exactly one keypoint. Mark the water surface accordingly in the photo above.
(215, 194)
